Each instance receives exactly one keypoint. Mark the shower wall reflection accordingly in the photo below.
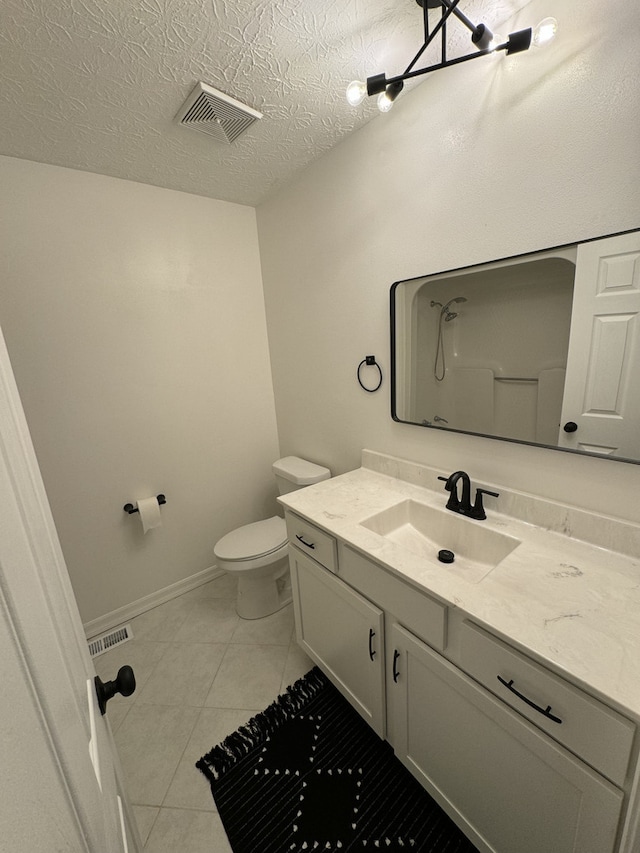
(488, 349)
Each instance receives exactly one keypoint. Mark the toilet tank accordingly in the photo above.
(293, 473)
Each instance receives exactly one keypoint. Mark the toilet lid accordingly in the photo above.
(253, 540)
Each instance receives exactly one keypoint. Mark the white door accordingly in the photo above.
(601, 397)
(59, 787)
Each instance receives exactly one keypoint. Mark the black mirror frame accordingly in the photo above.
(393, 360)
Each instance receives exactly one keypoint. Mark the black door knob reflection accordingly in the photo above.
(125, 684)
(570, 426)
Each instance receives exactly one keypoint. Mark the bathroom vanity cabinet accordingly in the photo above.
(513, 788)
(521, 758)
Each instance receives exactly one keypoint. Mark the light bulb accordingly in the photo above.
(386, 98)
(384, 102)
(356, 92)
(545, 32)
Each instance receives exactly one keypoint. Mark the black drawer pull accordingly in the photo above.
(396, 674)
(546, 712)
(372, 651)
(308, 544)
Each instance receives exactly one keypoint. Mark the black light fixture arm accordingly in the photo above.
(516, 42)
(481, 37)
(388, 88)
(450, 8)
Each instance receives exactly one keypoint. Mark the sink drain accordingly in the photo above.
(446, 556)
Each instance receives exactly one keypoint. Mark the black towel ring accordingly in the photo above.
(369, 360)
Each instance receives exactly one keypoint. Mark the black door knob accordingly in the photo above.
(125, 684)
(570, 426)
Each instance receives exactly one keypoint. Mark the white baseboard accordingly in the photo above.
(111, 620)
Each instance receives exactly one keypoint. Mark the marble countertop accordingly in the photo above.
(574, 605)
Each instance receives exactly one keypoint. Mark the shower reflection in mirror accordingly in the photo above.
(485, 351)
(439, 366)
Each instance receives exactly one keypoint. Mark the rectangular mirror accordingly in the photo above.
(542, 348)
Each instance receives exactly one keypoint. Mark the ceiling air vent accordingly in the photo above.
(215, 113)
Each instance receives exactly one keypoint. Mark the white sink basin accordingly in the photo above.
(424, 531)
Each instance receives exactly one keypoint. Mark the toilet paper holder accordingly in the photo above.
(130, 508)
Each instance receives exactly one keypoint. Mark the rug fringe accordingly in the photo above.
(226, 755)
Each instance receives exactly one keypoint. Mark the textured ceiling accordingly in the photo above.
(94, 85)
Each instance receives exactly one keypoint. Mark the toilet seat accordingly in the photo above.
(253, 541)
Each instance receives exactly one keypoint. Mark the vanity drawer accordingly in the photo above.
(421, 614)
(312, 541)
(597, 734)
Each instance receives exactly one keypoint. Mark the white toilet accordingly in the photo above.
(257, 553)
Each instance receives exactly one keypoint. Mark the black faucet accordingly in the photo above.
(454, 503)
(463, 505)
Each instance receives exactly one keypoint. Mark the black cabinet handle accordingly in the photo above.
(308, 544)
(396, 674)
(372, 652)
(125, 684)
(570, 426)
(546, 712)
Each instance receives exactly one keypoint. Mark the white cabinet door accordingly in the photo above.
(59, 790)
(343, 633)
(600, 394)
(507, 785)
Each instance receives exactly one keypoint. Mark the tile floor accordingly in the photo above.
(201, 672)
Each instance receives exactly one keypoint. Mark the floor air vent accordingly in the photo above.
(215, 113)
(102, 644)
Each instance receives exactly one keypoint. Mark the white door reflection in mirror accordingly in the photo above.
(601, 397)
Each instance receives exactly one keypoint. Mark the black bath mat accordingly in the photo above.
(309, 774)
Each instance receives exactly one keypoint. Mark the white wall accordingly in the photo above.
(134, 318)
(491, 158)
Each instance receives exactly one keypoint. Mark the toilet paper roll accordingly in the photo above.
(149, 509)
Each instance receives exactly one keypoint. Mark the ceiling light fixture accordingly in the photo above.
(388, 88)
